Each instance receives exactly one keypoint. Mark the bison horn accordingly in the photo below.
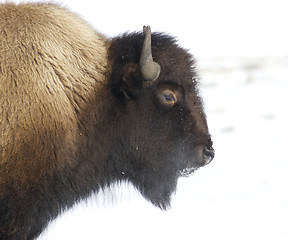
(150, 70)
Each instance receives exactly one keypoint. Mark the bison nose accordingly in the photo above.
(209, 154)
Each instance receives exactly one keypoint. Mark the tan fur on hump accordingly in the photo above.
(51, 65)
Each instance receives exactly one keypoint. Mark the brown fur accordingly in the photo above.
(35, 72)
(43, 89)
(76, 116)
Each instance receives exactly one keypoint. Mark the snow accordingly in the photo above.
(242, 54)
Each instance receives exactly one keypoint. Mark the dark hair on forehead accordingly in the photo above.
(127, 47)
(175, 62)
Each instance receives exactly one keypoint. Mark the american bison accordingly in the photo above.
(80, 111)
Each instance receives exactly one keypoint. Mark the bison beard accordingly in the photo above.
(80, 112)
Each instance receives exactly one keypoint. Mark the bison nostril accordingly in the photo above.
(209, 154)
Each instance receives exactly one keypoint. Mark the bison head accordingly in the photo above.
(161, 125)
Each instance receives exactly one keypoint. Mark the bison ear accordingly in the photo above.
(131, 81)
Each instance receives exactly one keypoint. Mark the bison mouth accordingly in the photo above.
(187, 172)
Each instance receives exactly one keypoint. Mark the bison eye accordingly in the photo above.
(167, 97)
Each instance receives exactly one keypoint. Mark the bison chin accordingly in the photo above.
(158, 182)
(157, 187)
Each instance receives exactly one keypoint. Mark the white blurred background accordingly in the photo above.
(242, 53)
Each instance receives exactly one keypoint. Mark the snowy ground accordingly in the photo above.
(243, 62)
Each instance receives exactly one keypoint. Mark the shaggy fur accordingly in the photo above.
(76, 115)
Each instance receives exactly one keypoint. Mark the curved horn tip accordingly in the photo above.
(145, 28)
